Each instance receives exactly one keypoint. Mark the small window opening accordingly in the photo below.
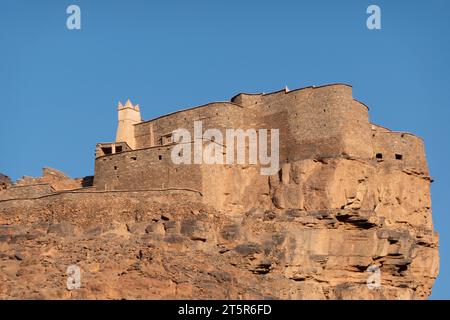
(133, 158)
(118, 149)
(107, 150)
(398, 156)
(379, 156)
(160, 157)
(166, 139)
(115, 167)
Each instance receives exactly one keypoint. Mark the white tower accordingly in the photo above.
(128, 116)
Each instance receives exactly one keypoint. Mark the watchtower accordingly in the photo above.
(128, 115)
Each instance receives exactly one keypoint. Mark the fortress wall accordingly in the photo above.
(406, 146)
(248, 100)
(356, 128)
(150, 168)
(144, 135)
(310, 120)
(326, 122)
(315, 123)
(101, 207)
(215, 115)
(378, 128)
(337, 118)
(28, 191)
(226, 187)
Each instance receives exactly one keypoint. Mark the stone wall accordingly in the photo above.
(55, 178)
(144, 169)
(400, 149)
(356, 129)
(24, 192)
(315, 122)
(214, 115)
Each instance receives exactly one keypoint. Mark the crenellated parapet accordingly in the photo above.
(128, 116)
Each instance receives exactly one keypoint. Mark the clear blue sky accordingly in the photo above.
(59, 88)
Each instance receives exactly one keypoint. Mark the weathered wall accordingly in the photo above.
(23, 192)
(356, 128)
(315, 122)
(55, 178)
(143, 169)
(400, 149)
(248, 100)
(220, 115)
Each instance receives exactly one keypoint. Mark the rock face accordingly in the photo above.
(55, 179)
(333, 225)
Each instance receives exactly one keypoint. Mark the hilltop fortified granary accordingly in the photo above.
(348, 204)
(314, 123)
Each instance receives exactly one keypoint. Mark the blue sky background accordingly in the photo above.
(60, 88)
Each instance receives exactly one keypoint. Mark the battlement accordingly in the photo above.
(127, 105)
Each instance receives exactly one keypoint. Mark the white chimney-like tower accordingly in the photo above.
(128, 115)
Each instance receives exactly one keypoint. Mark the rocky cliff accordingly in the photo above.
(336, 228)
